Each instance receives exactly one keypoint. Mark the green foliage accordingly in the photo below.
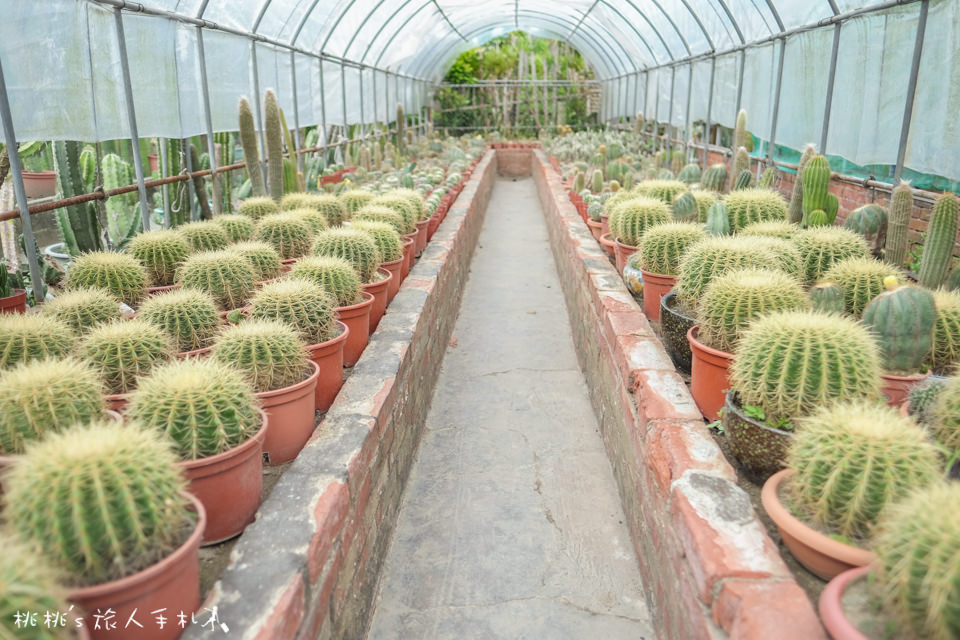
(821, 247)
(356, 247)
(663, 245)
(270, 353)
(256, 208)
(251, 154)
(629, 219)
(161, 252)
(902, 318)
(665, 190)
(862, 281)
(941, 237)
(388, 241)
(124, 350)
(188, 316)
(83, 309)
(31, 337)
(713, 257)
(748, 206)
(854, 459)
(204, 235)
(286, 232)
(227, 276)
(203, 406)
(238, 228)
(119, 273)
(796, 207)
(901, 208)
(300, 303)
(336, 275)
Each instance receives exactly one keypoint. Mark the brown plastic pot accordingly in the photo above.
(357, 319)
(409, 248)
(172, 584)
(830, 606)
(709, 377)
(395, 267)
(229, 485)
(17, 303)
(820, 554)
(379, 291)
(608, 244)
(416, 250)
(434, 221)
(622, 253)
(290, 413)
(328, 356)
(897, 388)
(42, 184)
(422, 235)
(655, 286)
(595, 228)
(759, 448)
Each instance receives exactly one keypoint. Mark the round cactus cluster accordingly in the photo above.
(300, 303)
(125, 350)
(270, 353)
(945, 353)
(375, 213)
(862, 281)
(161, 253)
(237, 227)
(772, 229)
(297, 200)
(713, 257)
(748, 206)
(407, 211)
(821, 247)
(188, 316)
(333, 209)
(663, 190)
(852, 460)
(286, 232)
(258, 207)
(62, 496)
(662, 246)
(413, 197)
(355, 199)
(902, 319)
(336, 275)
(262, 257)
(119, 273)
(386, 238)
(225, 275)
(204, 235)
(203, 406)
(31, 337)
(83, 309)
(629, 219)
(790, 363)
(28, 584)
(314, 219)
(356, 247)
(46, 396)
(945, 423)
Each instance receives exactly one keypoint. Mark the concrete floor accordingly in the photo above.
(511, 526)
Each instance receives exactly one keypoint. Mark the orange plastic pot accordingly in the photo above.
(622, 252)
(290, 415)
(379, 291)
(434, 222)
(328, 356)
(594, 229)
(608, 244)
(897, 388)
(655, 286)
(229, 485)
(172, 584)
(422, 235)
(409, 248)
(395, 267)
(17, 303)
(709, 377)
(357, 319)
(830, 606)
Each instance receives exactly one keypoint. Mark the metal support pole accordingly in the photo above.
(343, 101)
(376, 116)
(386, 87)
(258, 111)
(743, 66)
(830, 80)
(132, 120)
(296, 116)
(646, 94)
(191, 192)
(706, 132)
(776, 104)
(362, 114)
(323, 116)
(911, 91)
(656, 115)
(636, 95)
(669, 129)
(16, 168)
(208, 117)
(162, 154)
(686, 117)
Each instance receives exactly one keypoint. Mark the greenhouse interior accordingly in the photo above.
(403, 319)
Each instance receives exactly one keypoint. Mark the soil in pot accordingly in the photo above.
(608, 245)
(17, 303)
(328, 356)
(655, 286)
(290, 413)
(357, 319)
(760, 449)
(709, 379)
(674, 325)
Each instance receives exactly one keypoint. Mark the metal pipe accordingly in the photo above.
(669, 130)
(208, 119)
(706, 132)
(911, 91)
(343, 102)
(296, 116)
(830, 80)
(776, 103)
(323, 115)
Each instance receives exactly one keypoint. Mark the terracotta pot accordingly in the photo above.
(40, 185)
(582, 209)
(290, 413)
(153, 160)
(117, 402)
(328, 356)
(288, 263)
(396, 275)
(633, 280)
(203, 352)
(357, 319)
(897, 388)
(229, 485)
(760, 449)
(709, 379)
(820, 554)
(608, 244)
(674, 325)
(830, 606)
(655, 286)
(422, 235)
(379, 291)
(413, 236)
(172, 584)
(152, 291)
(594, 229)
(621, 253)
(433, 222)
(17, 303)
(604, 224)
(409, 247)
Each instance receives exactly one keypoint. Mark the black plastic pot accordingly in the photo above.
(759, 449)
(674, 326)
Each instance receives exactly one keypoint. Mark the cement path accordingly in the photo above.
(511, 526)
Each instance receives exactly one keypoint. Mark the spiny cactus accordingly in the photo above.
(827, 297)
(788, 257)
(685, 208)
(945, 423)
(262, 257)
(160, 252)
(870, 221)
(123, 351)
(713, 257)
(945, 353)
(917, 544)
(227, 276)
(663, 245)
(902, 318)
(718, 220)
(204, 406)
(204, 235)
(314, 219)
(401, 206)
(741, 138)
(78, 223)
(251, 154)
(817, 218)
(901, 209)
(332, 208)
(820, 248)
(735, 299)
(579, 182)
(941, 236)
(376, 213)
(386, 238)
(690, 174)
(336, 275)
(665, 190)
(256, 208)
(744, 180)
(862, 280)
(705, 200)
(273, 132)
(63, 496)
(188, 316)
(596, 181)
(754, 205)
(769, 178)
(795, 209)
(816, 184)
(741, 163)
(356, 247)
(355, 199)
(46, 396)
(413, 198)
(238, 228)
(923, 399)
(270, 353)
(28, 586)
(771, 229)
(852, 460)
(296, 200)
(595, 210)
(790, 363)
(289, 234)
(631, 218)
(84, 308)
(302, 304)
(714, 178)
(119, 273)
(31, 337)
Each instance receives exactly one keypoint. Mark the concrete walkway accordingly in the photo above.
(511, 526)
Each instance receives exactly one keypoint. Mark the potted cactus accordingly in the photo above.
(945, 352)
(355, 199)
(941, 236)
(31, 337)
(333, 208)
(847, 463)
(286, 232)
(227, 276)
(750, 206)
(314, 219)
(728, 306)
(360, 250)
(308, 308)
(659, 251)
(264, 259)
(12, 299)
(161, 253)
(787, 365)
(415, 203)
(377, 213)
(137, 554)
(664, 190)
(821, 247)
(84, 308)
(258, 207)
(629, 219)
(188, 316)
(204, 235)
(209, 411)
(862, 280)
(390, 246)
(119, 273)
(238, 228)
(273, 357)
(771, 229)
(943, 423)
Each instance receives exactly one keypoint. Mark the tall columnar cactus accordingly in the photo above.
(902, 319)
(744, 180)
(862, 280)
(714, 178)
(747, 206)
(355, 199)
(376, 213)
(401, 126)
(741, 163)
(771, 229)
(791, 363)
(336, 275)
(901, 209)
(816, 184)
(123, 351)
(46, 396)
(917, 544)
(596, 181)
(665, 190)
(238, 228)
(29, 585)
(289, 234)
(711, 258)
(270, 353)
(820, 248)
(188, 316)
(941, 236)
(160, 252)
(796, 198)
(579, 182)
(945, 353)
(386, 238)
(84, 308)
(690, 174)
(262, 257)
(945, 423)
(827, 297)
(78, 223)
(304, 305)
(119, 273)
(735, 299)
(356, 247)
(62, 495)
(769, 178)
(251, 154)
(123, 216)
(630, 219)
(662, 246)
(227, 276)
(741, 137)
(203, 406)
(204, 235)
(32, 337)
(852, 460)
(274, 137)
(258, 207)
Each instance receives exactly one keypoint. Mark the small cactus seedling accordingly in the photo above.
(204, 235)
(862, 280)
(336, 275)
(225, 275)
(289, 234)
(270, 353)
(356, 247)
(125, 350)
(83, 309)
(31, 337)
(188, 316)
(161, 253)
(119, 273)
(237, 227)
(300, 303)
(902, 318)
(662, 246)
(258, 207)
